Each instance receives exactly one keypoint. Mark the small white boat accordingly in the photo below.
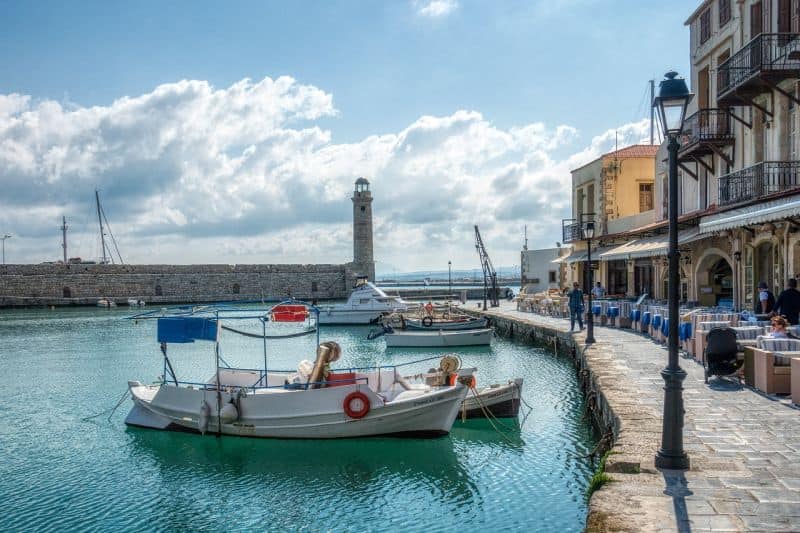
(309, 403)
(499, 400)
(366, 304)
(105, 302)
(438, 339)
(431, 324)
(134, 302)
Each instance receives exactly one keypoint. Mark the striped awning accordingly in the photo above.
(655, 246)
(752, 214)
(578, 256)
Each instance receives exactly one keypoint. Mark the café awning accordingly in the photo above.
(752, 214)
(654, 246)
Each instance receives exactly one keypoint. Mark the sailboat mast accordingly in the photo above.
(64, 237)
(100, 221)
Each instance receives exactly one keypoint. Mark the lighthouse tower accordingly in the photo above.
(362, 229)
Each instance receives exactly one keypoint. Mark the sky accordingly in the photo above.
(233, 132)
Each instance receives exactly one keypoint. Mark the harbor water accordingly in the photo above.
(63, 472)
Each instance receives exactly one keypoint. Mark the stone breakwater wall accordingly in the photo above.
(563, 343)
(58, 284)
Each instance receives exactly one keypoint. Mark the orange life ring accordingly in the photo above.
(454, 379)
(356, 396)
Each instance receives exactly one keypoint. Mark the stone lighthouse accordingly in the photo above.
(362, 229)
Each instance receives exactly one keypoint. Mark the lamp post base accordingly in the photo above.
(672, 462)
(671, 455)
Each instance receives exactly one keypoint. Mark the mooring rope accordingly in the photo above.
(109, 411)
(260, 336)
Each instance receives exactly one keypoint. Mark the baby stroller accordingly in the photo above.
(720, 356)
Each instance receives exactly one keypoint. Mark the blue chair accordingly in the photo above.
(645, 319)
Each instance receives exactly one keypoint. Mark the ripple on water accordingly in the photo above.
(60, 472)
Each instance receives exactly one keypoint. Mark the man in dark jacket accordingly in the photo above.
(576, 306)
(788, 303)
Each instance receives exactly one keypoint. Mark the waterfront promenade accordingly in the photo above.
(744, 446)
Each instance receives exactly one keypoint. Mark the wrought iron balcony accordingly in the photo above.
(704, 128)
(769, 57)
(571, 231)
(759, 181)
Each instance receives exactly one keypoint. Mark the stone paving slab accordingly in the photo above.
(744, 446)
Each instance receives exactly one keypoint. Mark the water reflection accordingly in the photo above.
(351, 465)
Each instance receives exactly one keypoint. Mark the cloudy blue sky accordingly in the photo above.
(232, 132)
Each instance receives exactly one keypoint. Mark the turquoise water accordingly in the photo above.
(59, 472)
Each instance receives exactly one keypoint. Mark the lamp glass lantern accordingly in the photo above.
(588, 230)
(672, 100)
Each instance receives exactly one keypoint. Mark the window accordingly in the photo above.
(67, 292)
(645, 197)
(159, 292)
(724, 12)
(363, 208)
(552, 276)
(236, 288)
(314, 286)
(705, 26)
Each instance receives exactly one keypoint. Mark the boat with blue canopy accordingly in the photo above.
(309, 402)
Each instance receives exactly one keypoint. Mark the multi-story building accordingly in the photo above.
(739, 151)
(618, 190)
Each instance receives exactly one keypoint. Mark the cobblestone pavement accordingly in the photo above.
(744, 446)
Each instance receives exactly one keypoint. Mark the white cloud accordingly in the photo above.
(192, 173)
(435, 8)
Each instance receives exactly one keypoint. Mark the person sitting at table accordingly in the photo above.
(779, 331)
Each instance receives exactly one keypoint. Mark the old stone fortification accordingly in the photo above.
(78, 284)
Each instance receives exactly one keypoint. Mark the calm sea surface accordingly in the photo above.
(59, 472)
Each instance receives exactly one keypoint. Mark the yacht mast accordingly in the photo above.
(64, 237)
(100, 221)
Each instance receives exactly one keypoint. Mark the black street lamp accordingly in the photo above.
(588, 233)
(671, 102)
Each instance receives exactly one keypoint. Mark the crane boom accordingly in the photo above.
(489, 274)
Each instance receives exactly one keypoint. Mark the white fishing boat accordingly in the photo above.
(499, 400)
(430, 323)
(366, 304)
(310, 402)
(135, 302)
(107, 303)
(438, 339)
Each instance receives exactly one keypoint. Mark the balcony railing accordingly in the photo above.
(758, 181)
(571, 231)
(773, 54)
(707, 126)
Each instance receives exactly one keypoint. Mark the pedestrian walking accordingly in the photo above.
(766, 300)
(576, 306)
(788, 304)
(598, 291)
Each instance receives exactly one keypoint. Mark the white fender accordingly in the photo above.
(202, 422)
(228, 413)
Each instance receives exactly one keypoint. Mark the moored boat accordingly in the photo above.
(107, 303)
(365, 305)
(499, 400)
(439, 338)
(310, 402)
(429, 323)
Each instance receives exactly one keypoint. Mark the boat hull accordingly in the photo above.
(497, 401)
(305, 414)
(330, 316)
(439, 339)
